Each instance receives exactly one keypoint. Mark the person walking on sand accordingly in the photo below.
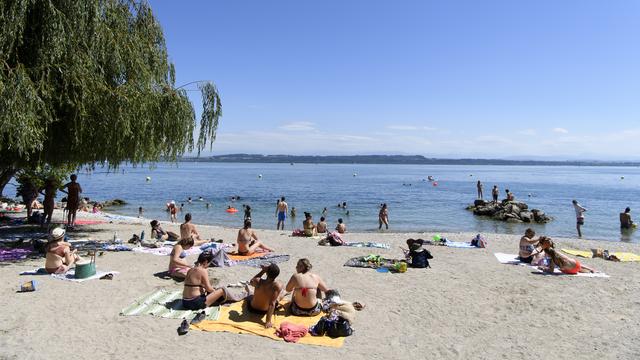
(480, 187)
(495, 193)
(173, 211)
(73, 199)
(281, 212)
(383, 217)
(579, 216)
(49, 201)
(625, 219)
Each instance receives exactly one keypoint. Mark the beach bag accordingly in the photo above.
(333, 328)
(479, 241)
(219, 258)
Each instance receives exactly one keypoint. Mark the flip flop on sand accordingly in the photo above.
(199, 317)
(184, 328)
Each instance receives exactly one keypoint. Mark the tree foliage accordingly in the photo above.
(85, 82)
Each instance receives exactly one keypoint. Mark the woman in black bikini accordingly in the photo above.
(198, 292)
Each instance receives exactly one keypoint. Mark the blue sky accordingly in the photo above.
(558, 79)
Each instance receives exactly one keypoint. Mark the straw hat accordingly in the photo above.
(57, 233)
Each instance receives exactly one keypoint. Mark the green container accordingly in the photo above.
(85, 269)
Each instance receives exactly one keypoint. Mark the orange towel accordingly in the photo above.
(238, 320)
(236, 257)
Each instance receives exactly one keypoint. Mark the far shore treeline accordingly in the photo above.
(392, 159)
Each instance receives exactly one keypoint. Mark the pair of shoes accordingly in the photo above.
(184, 327)
(199, 317)
(109, 276)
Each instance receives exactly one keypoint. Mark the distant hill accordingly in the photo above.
(390, 159)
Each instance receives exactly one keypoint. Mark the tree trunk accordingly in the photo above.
(5, 176)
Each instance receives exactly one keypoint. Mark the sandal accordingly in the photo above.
(109, 276)
(199, 317)
(184, 327)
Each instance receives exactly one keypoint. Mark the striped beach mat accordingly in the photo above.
(368, 244)
(166, 303)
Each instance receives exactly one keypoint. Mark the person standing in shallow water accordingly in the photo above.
(579, 216)
(383, 217)
(625, 219)
(281, 213)
(480, 187)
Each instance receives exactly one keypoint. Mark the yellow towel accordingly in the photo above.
(238, 320)
(623, 256)
(581, 253)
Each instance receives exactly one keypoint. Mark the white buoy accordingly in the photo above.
(621, 177)
(259, 176)
(355, 174)
(148, 178)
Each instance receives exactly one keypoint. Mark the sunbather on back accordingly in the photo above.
(307, 288)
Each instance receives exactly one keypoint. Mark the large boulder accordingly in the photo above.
(526, 216)
(512, 211)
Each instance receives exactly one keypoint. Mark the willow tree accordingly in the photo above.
(89, 82)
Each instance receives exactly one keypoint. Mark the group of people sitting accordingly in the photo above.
(312, 229)
(305, 288)
(541, 252)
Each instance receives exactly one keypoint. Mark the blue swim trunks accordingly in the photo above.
(282, 215)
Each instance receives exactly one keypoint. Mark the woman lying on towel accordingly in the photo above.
(198, 292)
(247, 242)
(178, 266)
(306, 288)
(59, 254)
(566, 264)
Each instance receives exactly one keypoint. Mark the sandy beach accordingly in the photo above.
(467, 305)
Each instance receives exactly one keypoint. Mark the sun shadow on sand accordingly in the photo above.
(248, 316)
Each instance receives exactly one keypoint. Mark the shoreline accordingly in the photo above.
(445, 311)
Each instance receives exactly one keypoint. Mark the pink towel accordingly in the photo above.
(291, 332)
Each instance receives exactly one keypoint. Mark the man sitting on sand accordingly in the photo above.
(59, 254)
(266, 294)
(247, 242)
(306, 288)
(188, 230)
(321, 227)
(341, 227)
(159, 234)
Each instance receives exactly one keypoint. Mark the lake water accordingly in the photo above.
(416, 207)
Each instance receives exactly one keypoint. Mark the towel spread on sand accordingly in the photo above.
(368, 244)
(166, 303)
(459, 244)
(513, 260)
(238, 320)
(371, 262)
(237, 257)
(265, 259)
(623, 256)
(14, 254)
(70, 275)
(164, 251)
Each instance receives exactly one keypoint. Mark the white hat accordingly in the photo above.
(57, 233)
(173, 202)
